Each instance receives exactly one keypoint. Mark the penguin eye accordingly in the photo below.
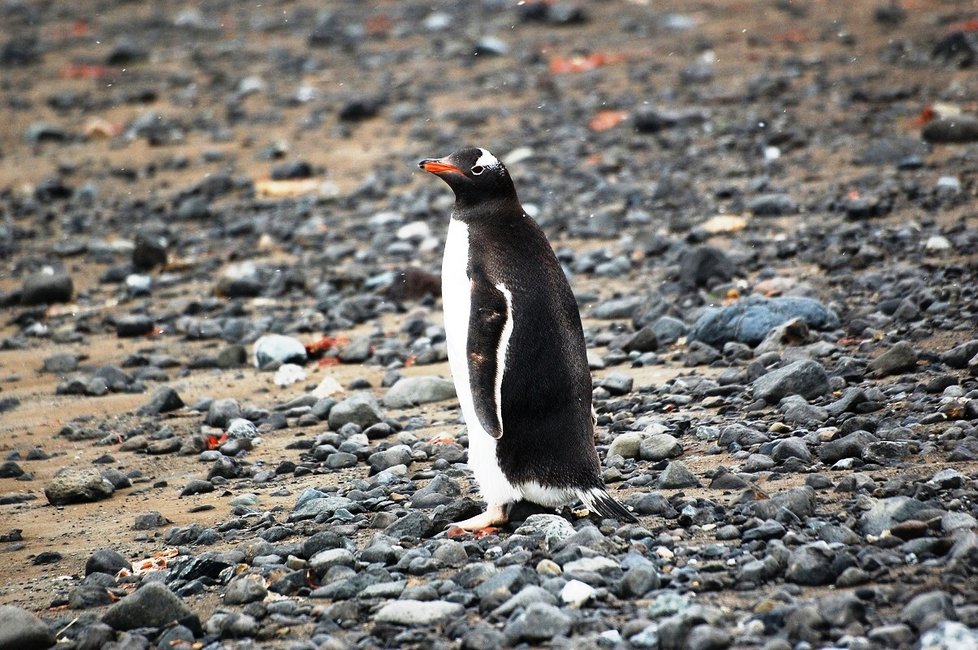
(478, 169)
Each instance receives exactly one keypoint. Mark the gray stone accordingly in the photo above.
(799, 412)
(798, 501)
(892, 635)
(900, 358)
(538, 622)
(152, 605)
(850, 446)
(626, 445)
(617, 383)
(21, 630)
(71, 485)
(926, 610)
(245, 589)
(411, 391)
(618, 308)
(396, 455)
(360, 409)
(884, 514)
(791, 448)
(553, 528)
(806, 378)
(659, 446)
(525, 597)
(677, 475)
(811, 564)
(418, 612)
(356, 351)
(668, 330)
(222, 411)
(328, 558)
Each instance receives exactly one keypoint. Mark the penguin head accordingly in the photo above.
(474, 174)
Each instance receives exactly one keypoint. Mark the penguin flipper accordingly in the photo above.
(490, 326)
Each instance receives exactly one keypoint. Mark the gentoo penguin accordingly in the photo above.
(516, 349)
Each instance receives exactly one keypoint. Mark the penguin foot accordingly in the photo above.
(495, 515)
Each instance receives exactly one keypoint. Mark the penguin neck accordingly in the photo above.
(497, 210)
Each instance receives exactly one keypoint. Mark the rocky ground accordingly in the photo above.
(766, 209)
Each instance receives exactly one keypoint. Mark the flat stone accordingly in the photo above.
(418, 612)
(411, 391)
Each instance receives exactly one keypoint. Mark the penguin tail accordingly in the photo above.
(598, 500)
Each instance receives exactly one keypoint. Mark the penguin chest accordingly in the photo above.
(457, 303)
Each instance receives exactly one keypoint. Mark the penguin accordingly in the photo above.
(516, 350)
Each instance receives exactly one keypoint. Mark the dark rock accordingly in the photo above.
(900, 358)
(107, 561)
(952, 130)
(152, 605)
(150, 520)
(850, 446)
(149, 251)
(772, 205)
(960, 355)
(700, 265)
(133, 325)
(47, 288)
(164, 400)
(806, 378)
(811, 564)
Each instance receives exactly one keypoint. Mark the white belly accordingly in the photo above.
(456, 298)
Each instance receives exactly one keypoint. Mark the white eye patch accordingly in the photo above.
(486, 160)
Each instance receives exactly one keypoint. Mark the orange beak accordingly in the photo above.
(436, 166)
